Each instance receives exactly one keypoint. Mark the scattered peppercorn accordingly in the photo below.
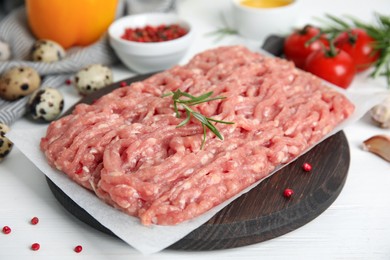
(123, 84)
(288, 193)
(158, 33)
(35, 246)
(78, 249)
(68, 82)
(34, 220)
(6, 230)
(306, 167)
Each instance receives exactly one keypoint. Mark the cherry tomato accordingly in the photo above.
(295, 48)
(333, 65)
(360, 46)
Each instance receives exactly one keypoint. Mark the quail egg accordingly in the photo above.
(5, 143)
(5, 51)
(92, 78)
(47, 51)
(18, 82)
(45, 104)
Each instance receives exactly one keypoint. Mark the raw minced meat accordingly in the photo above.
(126, 147)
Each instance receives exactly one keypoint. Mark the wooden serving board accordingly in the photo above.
(263, 213)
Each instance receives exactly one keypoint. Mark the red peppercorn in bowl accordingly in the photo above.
(148, 33)
(150, 42)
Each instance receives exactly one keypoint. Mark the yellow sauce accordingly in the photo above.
(265, 3)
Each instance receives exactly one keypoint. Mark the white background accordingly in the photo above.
(356, 226)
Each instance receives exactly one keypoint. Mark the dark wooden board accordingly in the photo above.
(263, 213)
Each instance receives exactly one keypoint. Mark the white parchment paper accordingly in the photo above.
(151, 239)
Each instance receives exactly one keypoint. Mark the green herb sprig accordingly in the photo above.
(223, 31)
(190, 100)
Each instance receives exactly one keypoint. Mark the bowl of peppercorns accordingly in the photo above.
(150, 42)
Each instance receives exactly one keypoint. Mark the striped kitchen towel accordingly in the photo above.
(14, 31)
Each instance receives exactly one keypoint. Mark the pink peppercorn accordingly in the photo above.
(306, 167)
(288, 193)
(78, 249)
(6, 230)
(35, 246)
(34, 220)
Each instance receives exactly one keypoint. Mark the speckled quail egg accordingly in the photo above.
(47, 51)
(19, 82)
(5, 143)
(45, 104)
(5, 51)
(92, 78)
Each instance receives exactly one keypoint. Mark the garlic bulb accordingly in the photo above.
(381, 113)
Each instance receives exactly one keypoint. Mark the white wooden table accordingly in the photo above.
(356, 226)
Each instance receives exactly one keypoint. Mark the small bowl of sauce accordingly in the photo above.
(265, 3)
(257, 19)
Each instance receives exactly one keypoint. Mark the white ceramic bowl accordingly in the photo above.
(259, 23)
(150, 56)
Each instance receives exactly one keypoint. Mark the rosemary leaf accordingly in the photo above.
(193, 98)
(185, 121)
(200, 117)
(206, 100)
(338, 21)
(176, 110)
(204, 137)
(167, 94)
(220, 121)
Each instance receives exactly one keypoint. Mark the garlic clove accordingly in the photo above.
(379, 145)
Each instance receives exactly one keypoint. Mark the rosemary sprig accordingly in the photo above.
(223, 31)
(190, 100)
